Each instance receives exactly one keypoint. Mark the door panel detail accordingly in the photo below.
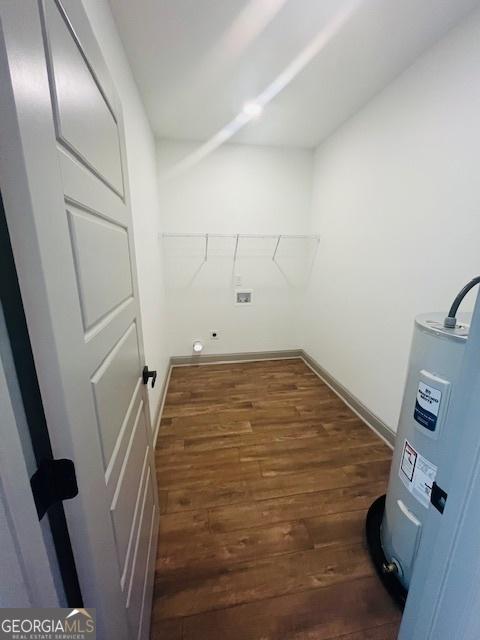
(123, 504)
(102, 262)
(113, 386)
(135, 590)
(78, 98)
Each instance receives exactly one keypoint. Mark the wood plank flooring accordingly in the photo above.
(265, 476)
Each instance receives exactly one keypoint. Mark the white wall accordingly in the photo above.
(140, 146)
(397, 203)
(237, 189)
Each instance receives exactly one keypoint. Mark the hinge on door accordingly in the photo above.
(52, 482)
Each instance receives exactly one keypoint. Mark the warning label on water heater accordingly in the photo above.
(417, 474)
(427, 406)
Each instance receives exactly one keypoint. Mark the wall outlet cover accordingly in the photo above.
(243, 296)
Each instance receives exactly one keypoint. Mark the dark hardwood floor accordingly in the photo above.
(265, 477)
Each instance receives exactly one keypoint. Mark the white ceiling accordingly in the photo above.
(196, 62)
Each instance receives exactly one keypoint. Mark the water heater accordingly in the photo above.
(395, 521)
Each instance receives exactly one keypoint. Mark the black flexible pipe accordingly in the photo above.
(451, 320)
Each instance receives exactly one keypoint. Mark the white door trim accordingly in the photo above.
(34, 583)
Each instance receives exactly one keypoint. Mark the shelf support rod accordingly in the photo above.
(236, 249)
(276, 247)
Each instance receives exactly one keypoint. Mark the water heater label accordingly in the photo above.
(417, 474)
(427, 406)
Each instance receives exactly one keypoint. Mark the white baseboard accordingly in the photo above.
(228, 358)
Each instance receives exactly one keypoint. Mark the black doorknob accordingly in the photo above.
(146, 374)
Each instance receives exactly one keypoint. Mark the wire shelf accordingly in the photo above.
(236, 245)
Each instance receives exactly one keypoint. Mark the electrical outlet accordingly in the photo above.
(214, 334)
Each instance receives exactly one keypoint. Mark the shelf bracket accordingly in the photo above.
(236, 249)
(276, 248)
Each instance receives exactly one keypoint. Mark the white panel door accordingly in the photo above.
(65, 187)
